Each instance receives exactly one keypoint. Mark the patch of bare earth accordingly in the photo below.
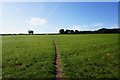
(58, 63)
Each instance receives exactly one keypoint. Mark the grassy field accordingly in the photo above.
(82, 56)
(0, 57)
(28, 56)
(89, 55)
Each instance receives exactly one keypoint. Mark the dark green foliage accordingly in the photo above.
(100, 31)
(76, 32)
(30, 32)
(61, 31)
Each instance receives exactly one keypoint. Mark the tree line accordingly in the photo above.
(100, 31)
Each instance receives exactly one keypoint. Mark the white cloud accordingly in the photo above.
(97, 24)
(36, 22)
(115, 26)
(79, 27)
(87, 27)
(93, 26)
(19, 9)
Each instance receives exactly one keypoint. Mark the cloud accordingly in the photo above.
(79, 27)
(19, 9)
(36, 22)
(112, 25)
(87, 27)
(93, 26)
(97, 25)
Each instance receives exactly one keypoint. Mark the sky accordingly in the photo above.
(59, 0)
(50, 17)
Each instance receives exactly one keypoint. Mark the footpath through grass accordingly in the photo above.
(88, 55)
(82, 56)
(28, 56)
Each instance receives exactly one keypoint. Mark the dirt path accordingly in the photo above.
(58, 63)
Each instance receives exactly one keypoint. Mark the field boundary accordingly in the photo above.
(58, 74)
(0, 57)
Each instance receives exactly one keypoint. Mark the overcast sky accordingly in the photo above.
(49, 17)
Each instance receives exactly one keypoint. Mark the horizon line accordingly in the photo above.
(57, 32)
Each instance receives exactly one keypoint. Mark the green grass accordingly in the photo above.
(82, 56)
(88, 55)
(28, 56)
(0, 57)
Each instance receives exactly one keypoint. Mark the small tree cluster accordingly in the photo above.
(30, 32)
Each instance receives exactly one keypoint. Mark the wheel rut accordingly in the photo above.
(58, 74)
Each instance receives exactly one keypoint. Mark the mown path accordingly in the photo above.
(58, 63)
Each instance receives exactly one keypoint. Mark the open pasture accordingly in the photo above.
(81, 56)
(89, 55)
(28, 56)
